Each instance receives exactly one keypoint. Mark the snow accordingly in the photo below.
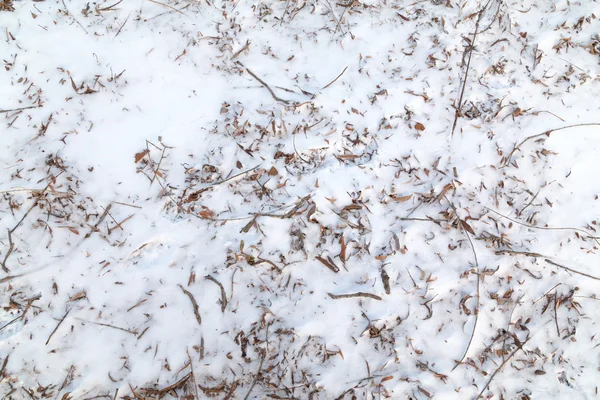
(148, 173)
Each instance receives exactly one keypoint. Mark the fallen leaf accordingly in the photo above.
(140, 155)
(400, 199)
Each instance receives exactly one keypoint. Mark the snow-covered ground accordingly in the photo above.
(301, 199)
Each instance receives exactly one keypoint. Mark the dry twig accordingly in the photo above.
(194, 304)
(353, 295)
(223, 295)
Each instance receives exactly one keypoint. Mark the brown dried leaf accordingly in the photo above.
(400, 199)
(140, 155)
(467, 227)
(419, 126)
(78, 296)
(206, 213)
(343, 249)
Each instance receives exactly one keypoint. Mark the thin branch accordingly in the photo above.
(333, 81)
(571, 270)
(262, 360)
(462, 227)
(56, 328)
(194, 304)
(19, 109)
(234, 176)
(469, 49)
(108, 326)
(589, 235)
(192, 373)
(546, 133)
(166, 5)
(121, 27)
(223, 295)
(518, 253)
(353, 295)
(109, 8)
(500, 367)
(277, 98)
(72, 16)
(11, 247)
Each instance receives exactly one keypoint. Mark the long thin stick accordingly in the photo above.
(470, 49)
(352, 295)
(11, 246)
(255, 378)
(19, 109)
(166, 5)
(546, 133)
(478, 283)
(333, 81)
(277, 98)
(500, 367)
(194, 304)
(571, 270)
(56, 328)
(72, 16)
(223, 295)
(542, 227)
(108, 326)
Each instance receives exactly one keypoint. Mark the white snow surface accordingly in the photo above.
(169, 228)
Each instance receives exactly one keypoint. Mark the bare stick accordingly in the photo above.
(333, 81)
(571, 270)
(102, 217)
(277, 98)
(109, 8)
(518, 253)
(10, 249)
(556, 315)
(234, 176)
(193, 374)
(500, 367)
(56, 328)
(287, 3)
(435, 221)
(4, 366)
(72, 16)
(262, 360)
(474, 324)
(35, 203)
(128, 205)
(462, 228)
(108, 326)
(546, 133)
(223, 295)
(122, 25)
(352, 295)
(194, 304)
(18, 109)
(544, 228)
(469, 49)
(165, 5)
